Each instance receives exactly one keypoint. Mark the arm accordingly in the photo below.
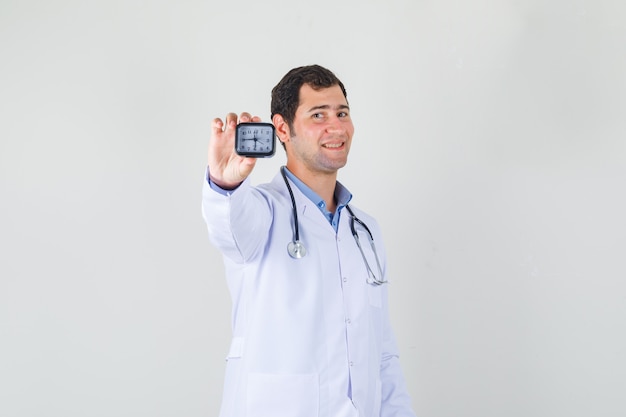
(236, 214)
(395, 400)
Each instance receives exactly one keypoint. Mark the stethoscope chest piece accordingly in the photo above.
(296, 249)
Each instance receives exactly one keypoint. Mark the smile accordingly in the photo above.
(333, 145)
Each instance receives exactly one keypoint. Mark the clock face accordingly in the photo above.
(255, 139)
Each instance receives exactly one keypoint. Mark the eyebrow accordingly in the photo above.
(326, 107)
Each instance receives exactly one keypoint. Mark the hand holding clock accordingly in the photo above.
(227, 168)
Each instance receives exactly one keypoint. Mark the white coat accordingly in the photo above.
(310, 337)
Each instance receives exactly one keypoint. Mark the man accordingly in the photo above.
(311, 332)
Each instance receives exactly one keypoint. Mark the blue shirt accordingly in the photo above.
(342, 197)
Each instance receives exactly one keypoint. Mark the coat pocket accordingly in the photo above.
(271, 395)
(236, 348)
(375, 294)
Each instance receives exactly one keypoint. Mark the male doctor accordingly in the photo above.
(311, 331)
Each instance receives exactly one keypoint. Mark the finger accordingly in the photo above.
(217, 126)
(245, 117)
(256, 119)
(231, 121)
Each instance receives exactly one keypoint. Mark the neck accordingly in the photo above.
(323, 183)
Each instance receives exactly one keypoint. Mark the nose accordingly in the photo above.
(337, 125)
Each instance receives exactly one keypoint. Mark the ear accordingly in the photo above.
(282, 128)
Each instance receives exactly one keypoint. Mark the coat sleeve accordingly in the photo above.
(238, 221)
(395, 400)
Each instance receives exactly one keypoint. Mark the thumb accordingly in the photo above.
(246, 166)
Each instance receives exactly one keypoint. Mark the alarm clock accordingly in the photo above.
(255, 140)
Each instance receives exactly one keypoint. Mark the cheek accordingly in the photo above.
(350, 131)
(349, 126)
(308, 133)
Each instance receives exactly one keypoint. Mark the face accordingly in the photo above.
(322, 131)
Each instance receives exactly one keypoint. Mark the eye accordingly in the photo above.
(343, 114)
(318, 115)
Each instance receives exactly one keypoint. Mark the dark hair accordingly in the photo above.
(286, 94)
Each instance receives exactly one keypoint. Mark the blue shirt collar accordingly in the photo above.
(342, 197)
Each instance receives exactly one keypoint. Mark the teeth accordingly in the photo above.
(331, 145)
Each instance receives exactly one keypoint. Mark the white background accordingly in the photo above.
(490, 143)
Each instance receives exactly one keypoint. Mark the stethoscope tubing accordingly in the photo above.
(296, 232)
(296, 249)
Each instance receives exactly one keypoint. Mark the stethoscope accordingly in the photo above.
(296, 249)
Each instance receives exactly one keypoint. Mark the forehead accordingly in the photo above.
(331, 97)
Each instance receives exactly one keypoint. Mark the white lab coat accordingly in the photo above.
(310, 337)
